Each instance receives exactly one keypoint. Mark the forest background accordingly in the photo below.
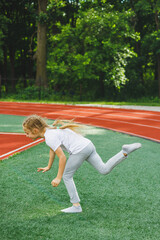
(80, 50)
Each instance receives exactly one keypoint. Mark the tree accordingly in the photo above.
(41, 77)
(146, 68)
(17, 27)
(156, 10)
(93, 53)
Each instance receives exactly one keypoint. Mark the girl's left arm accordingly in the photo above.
(62, 162)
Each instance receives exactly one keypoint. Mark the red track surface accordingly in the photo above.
(12, 143)
(145, 124)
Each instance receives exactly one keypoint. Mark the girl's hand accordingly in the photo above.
(45, 169)
(56, 182)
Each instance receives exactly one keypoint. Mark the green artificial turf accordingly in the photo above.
(11, 123)
(123, 205)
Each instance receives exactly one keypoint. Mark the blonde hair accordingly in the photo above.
(36, 121)
(62, 124)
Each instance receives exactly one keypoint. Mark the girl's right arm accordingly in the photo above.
(51, 160)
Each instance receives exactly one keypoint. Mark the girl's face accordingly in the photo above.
(34, 134)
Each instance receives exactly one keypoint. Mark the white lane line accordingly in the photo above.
(21, 148)
(10, 133)
(103, 119)
(129, 133)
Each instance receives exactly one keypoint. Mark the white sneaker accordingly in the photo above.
(72, 209)
(128, 148)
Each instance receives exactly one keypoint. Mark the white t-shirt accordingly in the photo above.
(67, 139)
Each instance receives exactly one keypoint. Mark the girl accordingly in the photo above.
(66, 138)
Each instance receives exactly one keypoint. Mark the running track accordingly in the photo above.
(145, 124)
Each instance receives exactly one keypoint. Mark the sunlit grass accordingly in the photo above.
(136, 102)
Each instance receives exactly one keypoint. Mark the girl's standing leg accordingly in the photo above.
(73, 163)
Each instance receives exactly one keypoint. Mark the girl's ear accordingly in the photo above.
(35, 130)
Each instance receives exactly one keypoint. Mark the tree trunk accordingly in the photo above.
(158, 55)
(12, 56)
(23, 68)
(158, 68)
(102, 88)
(0, 84)
(5, 68)
(41, 77)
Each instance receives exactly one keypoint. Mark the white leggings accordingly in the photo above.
(90, 155)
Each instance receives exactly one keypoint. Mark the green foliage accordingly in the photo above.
(94, 53)
(52, 4)
(95, 50)
(42, 18)
(152, 41)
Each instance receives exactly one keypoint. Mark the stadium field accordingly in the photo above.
(123, 205)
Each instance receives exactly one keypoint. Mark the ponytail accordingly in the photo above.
(62, 124)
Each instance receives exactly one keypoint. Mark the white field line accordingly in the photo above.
(103, 111)
(10, 133)
(138, 124)
(114, 115)
(89, 106)
(103, 119)
(129, 133)
(21, 148)
(79, 109)
(95, 113)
